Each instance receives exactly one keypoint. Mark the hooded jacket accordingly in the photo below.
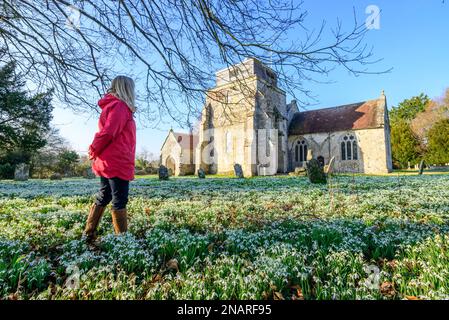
(114, 147)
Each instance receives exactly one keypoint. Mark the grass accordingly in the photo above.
(226, 238)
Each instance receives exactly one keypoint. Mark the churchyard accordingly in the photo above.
(356, 237)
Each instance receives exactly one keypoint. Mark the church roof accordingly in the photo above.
(356, 116)
(185, 140)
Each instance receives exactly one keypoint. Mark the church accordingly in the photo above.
(246, 120)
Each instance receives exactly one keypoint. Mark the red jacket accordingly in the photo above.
(114, 145)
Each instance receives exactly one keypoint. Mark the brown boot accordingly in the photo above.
(120, 220)
(93, 220)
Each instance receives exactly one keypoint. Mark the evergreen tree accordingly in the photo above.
(67, 161)
(409, 108)
(24, 119)
(438, 143)
(404, 145)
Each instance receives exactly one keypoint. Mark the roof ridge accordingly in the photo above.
(340, 106)
(185, 133)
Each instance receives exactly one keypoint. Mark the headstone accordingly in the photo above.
(163, 172)
(329, 169)
(56, 176)
(89, 174)
(300, 171)
(321, 161)
(421, 167)
(315, 172)
(238, 171)
(201, 173)
(22, 172)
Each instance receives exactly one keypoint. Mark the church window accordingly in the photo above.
(354, 151)
(212, 151)
(349, 148)
(301, 151)
(210, 117)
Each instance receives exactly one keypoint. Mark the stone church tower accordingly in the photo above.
(244, 121)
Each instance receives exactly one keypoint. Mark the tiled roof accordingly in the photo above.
(187, 141)
(362, 115)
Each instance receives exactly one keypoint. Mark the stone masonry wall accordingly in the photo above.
(372, 152)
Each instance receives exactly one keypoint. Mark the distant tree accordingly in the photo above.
(146, 162)
(24, 118)
(44, 162)
(438, 143)
(445, 99)
(409, 108)
(435, 111)
(404, 144)
(67, 161)
(142, 160)
(407, 147)
(83, 164)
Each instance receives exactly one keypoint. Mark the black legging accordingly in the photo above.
(115, 190)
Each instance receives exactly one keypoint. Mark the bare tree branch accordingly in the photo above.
(171, 47)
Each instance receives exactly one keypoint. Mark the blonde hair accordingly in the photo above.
(123, 88)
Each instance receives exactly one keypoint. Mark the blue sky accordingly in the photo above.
(412, 39)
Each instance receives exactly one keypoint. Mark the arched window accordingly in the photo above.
(300, 151)
(209, 117)
(349, 149)
(212, 151)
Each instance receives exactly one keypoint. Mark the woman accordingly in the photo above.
(113, 153)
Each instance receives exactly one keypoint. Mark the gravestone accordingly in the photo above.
(300, 171)
(56, 176)
(329, 169)
(309, 155)
(163, 173)
(315, 172)
(89, 174)
(238, 171)
(22, 172)
(201, 173)
(421, 167)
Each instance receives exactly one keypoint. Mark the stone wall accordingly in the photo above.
(224, 138)
(373, 156)
(171, 154)
(387, 138)
(248, 68)
(180, 161)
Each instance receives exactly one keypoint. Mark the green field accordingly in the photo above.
(262, 238)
